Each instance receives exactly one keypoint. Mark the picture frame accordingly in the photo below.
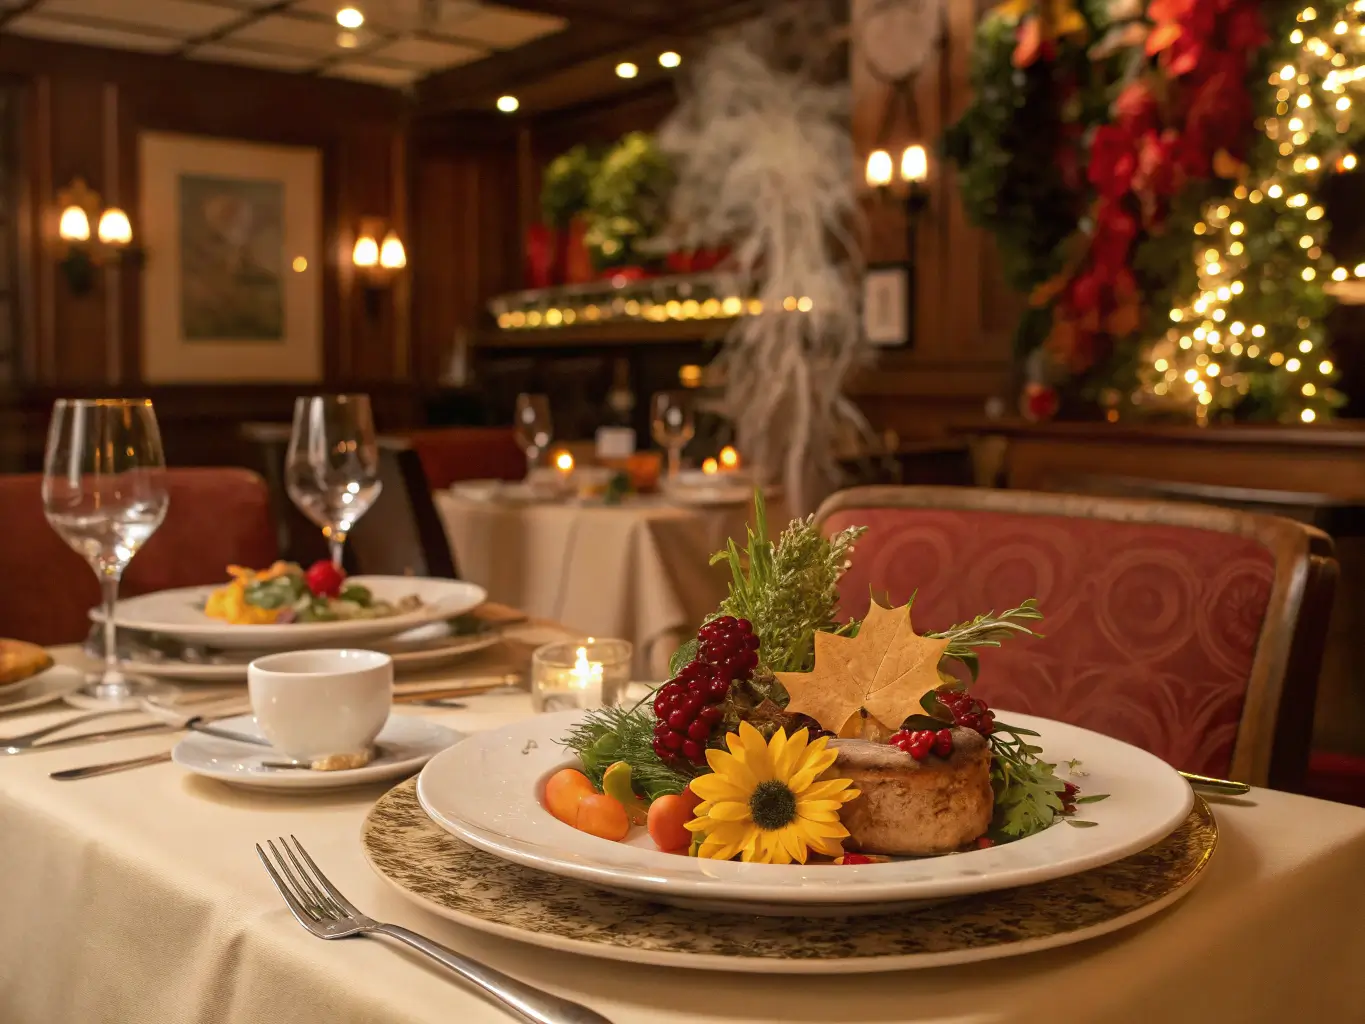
(232, 285)
(886, 304)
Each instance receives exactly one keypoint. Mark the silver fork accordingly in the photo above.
(318, 905)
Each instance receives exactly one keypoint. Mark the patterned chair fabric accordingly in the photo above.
(215, 517)
(452, 454)
(1151, 629)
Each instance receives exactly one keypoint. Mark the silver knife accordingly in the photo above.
(91, 770)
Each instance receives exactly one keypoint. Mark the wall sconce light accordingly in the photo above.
(911, 191)
(81, 255)
(377, 261)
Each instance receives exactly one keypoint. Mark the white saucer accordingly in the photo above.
(405, 744)
(51, 684)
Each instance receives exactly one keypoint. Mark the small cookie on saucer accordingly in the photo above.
(20, 660)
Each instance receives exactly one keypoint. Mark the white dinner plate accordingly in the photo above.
(416, 650)
(178, 613)
(404, 744)
(486, 791)
(48, 685)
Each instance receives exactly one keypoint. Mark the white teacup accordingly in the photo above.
(313, 704)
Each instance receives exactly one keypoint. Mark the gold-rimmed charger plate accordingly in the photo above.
(478, 890)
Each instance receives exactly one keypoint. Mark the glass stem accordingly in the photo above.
(109, 592)
(336, 541)
(674, 461)
(531, 457)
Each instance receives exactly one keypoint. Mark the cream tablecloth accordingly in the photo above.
(138, 898)
(638, 570)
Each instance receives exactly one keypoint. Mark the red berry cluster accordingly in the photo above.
(1069, 795)
(969, 712)
(919, 742)
(688, 707)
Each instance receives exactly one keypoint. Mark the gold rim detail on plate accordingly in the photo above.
(412, 852)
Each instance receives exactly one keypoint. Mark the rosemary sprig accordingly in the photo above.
(987, 631)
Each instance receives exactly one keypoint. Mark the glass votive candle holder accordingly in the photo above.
(589, 673)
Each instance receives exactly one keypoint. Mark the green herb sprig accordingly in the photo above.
(615, 734)
(1028, 793)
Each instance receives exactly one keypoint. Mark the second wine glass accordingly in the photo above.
(533, 428)
(673, 421)
(331, 469)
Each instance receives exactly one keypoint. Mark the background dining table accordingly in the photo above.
(638, 571)
(138, 897)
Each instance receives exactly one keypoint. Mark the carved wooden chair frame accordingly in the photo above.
(1275, 729)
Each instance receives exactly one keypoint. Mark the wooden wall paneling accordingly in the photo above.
(956, 361)
(79, 321)
(35, 275)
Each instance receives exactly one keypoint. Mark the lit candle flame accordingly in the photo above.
(729, 458)
(586, 673)
(564, 463)
(709, 466)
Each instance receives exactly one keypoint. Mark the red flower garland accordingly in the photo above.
(1188, 118)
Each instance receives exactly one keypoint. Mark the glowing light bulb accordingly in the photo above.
(627, 70)
(349, 17)
(392, 256)
(1176, 315)
(1236, 227)
(1292, 365)
(669, 59)
(1191, 376)
(1344, 103)
(879, 168)
(1238, 287)
(1205, 398)
(1287, 73)
(508, 104)
(1305, 345)
(1306, 242)
(365, 253)
(1274, 191)
(1308, 416)
(1304, 100)
(1237, 327)
(74, 225)
(1160, 365)
(1309, 389)
(1309, 273)
(1325, 366)
(114, 228)
(1339, 274)
(729, 458)
(1311, 163)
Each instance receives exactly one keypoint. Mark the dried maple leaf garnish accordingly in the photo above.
(884, 671)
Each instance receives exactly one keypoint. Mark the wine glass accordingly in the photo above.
(331, 469)
(104, 493)
(673, 420)
(533, 427)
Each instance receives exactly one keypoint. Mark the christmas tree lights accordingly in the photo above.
(1250, 341)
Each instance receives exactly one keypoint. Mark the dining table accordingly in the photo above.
(638, 569)
(138, 897)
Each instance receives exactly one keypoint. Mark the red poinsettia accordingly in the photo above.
(1192, 125)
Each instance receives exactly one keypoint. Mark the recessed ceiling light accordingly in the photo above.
(627, 70)
(349, 17)
(507, 104)
(347, 40)
(669, 59)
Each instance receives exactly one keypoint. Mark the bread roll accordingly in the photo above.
(20, 661)
(915, 808)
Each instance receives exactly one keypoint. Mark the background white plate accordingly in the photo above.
(48, 685)
(421, 648)
(177, 613)
(486, 791)
(405, 744)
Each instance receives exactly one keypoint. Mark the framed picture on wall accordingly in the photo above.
(886, 304)
(232, 285)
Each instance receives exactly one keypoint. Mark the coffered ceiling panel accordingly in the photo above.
(39, 27)
(280, 60)
(375, 74)
(426, 53)
(168, 16)
(320, 37)
(499, 27)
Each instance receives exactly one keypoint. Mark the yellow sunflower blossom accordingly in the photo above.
(763, 802)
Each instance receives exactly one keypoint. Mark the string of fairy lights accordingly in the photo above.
(1254, 326)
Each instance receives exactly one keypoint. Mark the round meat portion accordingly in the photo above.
(915, 808)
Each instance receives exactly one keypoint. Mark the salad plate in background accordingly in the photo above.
(255, 613)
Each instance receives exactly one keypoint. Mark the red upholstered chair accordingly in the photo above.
(1191, 631)
(451, 454)
(215, 517)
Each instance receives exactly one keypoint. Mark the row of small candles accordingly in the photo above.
(726, 461)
